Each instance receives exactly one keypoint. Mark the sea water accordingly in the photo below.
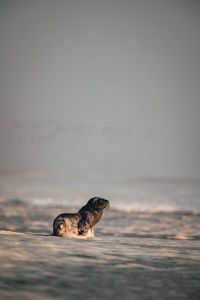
(146, 246)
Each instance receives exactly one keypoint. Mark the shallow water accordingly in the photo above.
(148, 254)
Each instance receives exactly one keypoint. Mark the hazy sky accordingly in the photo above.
(100, 87)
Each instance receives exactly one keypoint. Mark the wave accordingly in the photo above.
(162, 236)
(125, 235)
(158, 210)
(9, 232)
(121, 207)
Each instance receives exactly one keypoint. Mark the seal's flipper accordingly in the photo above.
(83, 227)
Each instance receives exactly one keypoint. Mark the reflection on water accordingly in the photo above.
(135, 255)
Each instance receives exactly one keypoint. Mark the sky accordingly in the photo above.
(100, 89)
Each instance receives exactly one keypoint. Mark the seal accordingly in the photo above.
(82, 222)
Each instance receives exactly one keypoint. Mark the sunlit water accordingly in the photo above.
(142, 249)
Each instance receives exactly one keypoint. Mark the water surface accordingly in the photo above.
(146, 246)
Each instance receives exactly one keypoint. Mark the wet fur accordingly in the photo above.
(82, 222)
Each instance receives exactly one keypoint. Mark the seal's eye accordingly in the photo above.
(99, 202)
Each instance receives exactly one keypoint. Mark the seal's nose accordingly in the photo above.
(107, 203)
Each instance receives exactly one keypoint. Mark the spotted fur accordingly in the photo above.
(82, 222)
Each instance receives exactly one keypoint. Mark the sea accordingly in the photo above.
(146, 246)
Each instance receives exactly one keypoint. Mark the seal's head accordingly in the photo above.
(98, 203)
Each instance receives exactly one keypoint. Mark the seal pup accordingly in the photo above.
(82, 222)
